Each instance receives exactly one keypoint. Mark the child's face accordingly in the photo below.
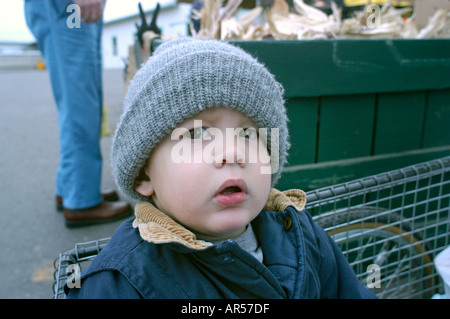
(217, 194)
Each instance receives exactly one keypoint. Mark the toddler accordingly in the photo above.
(201, 144)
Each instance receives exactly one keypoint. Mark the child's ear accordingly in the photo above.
(145, 188)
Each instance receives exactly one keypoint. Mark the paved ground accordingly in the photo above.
(32, 232)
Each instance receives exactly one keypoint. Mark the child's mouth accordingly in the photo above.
(232, 192)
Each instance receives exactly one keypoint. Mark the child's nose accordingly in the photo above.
(232, 152)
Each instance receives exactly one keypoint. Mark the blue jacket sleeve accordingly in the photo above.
(113, 286)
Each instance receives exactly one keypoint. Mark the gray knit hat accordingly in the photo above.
(182, 78)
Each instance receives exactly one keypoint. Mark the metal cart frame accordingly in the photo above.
(389, 226)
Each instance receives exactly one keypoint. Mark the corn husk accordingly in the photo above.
(303, 21)
(306, 23)
(438, 26)
(242, 28)
(209, 17)
(309, 12)
(280, 7)
(247, 19)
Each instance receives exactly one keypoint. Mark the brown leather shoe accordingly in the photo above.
(103, 213)
(108, 195)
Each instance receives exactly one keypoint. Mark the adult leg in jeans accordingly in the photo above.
(73, 57)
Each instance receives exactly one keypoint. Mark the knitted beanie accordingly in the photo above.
(182, 78)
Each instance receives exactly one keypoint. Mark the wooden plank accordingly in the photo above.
(302, 114)
(349, 66)
(313, 176)
(437, 121)
(399, 122)
(346, 127)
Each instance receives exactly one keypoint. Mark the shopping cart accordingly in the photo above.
(389, 226)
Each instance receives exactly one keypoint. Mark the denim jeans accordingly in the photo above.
(73, 58)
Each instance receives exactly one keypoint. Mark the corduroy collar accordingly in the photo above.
(158, 228)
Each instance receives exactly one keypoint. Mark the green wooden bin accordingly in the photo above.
(359, 107)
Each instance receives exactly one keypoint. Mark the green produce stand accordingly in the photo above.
(359, 107)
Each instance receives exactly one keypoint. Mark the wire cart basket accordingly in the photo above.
(389, 226)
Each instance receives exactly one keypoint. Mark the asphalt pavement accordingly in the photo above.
(32, 232)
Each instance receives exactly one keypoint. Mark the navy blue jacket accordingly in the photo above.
(300, 261)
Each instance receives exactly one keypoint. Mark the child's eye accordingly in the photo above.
(198, 133)
(249, 133)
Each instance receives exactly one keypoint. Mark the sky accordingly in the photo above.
(12, 22)
(13, 27)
